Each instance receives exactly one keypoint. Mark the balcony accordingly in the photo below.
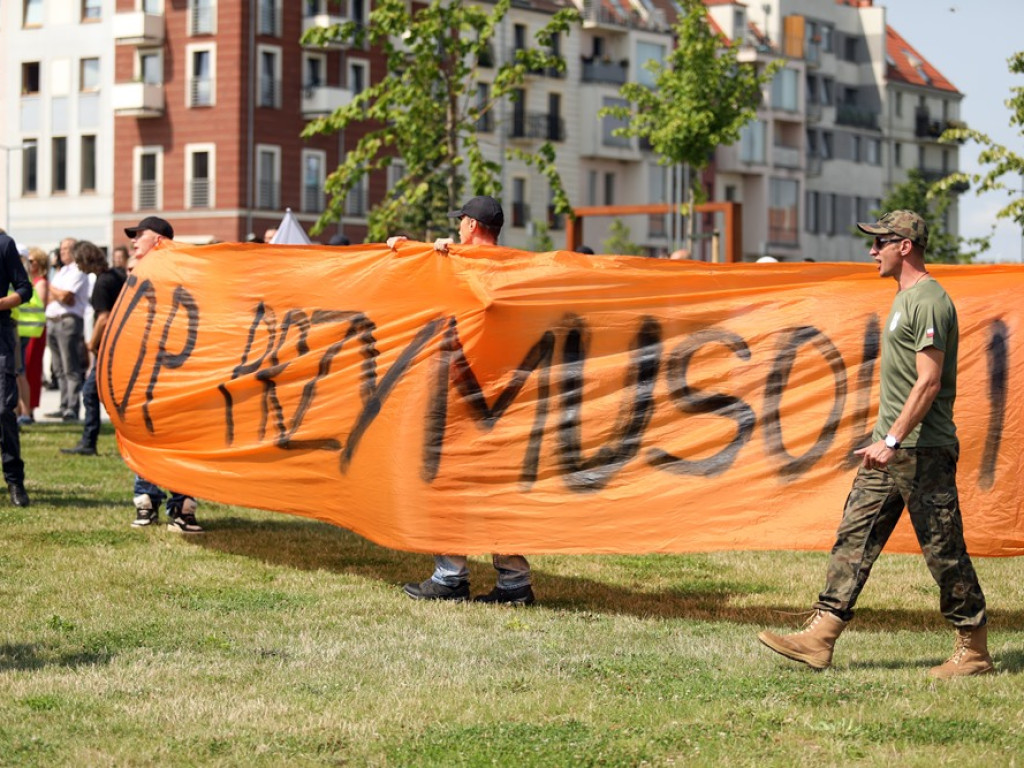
(322, 100)
(537, 125)
(932, 175)
(785, 157)
(611, 72)
(325, 21)
(926, 128)
(857, 117)
(138, 28)
(138, 100)
(596, 15)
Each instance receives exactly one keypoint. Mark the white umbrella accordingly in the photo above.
(290, 232)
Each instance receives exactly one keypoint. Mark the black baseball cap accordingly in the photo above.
(154, 224)
(484, 209)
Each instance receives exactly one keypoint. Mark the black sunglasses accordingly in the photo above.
(881, 242)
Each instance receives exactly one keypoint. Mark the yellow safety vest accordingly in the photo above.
(30, 316)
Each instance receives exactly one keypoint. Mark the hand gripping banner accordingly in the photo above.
(501, 401)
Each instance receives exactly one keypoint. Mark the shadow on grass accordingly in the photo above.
(307, 545)
(24, 657)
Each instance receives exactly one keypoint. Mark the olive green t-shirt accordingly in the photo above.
(922, 316)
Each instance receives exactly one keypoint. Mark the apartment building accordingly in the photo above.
(115, 109)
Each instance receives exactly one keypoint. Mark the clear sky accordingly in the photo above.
(970, 41)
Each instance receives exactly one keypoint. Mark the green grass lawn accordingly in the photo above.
(278, 641)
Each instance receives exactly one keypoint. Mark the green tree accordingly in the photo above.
(425, 113)
(916, 194)
(703, 96)
(618, 240)
(540, 239)
(1000, 161)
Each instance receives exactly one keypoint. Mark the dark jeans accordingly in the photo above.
(10, 440)
(91, 401)
(923, 480)
(157, 495)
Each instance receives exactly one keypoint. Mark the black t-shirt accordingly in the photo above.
(105, 292)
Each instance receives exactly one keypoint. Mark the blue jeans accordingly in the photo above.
(91, 401)
(453, 570)
(157, 496)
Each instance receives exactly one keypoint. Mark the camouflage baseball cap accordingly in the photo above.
(903, 223)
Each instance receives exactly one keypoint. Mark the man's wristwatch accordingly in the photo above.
(891, 442)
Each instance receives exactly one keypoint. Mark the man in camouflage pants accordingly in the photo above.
(912, 463)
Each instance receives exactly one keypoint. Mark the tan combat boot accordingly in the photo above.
(970, 655)
(813, 644)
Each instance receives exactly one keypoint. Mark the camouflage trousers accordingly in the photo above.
(923, 480)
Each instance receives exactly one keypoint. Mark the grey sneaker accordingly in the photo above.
(431, 590)
(145, 512)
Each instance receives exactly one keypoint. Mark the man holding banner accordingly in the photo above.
(480, 223)
(912, 462)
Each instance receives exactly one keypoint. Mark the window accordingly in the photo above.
(91, 10)
(520, 211)
(827, 149)
(519, 37)
(59, 164)
(739, 24)
(556, 131)
(518, 113)
(825, 30)
(396, 172)
(148, 172)
(897, 152)
(609, 189)
(30, 78)
(591, 187)
(610, 124)
(269, 86)
(828, 88)
(33, 13)
(357, 76)
(850, 49)
(752, 142)
(313, 165)
(828, 214)
(646, 52)
(783, 211)
(89, 74)
(899, 105)
(873, 151)
(269, 18)
(784, 90)
(812, 89)
(199, 171)
(202, 15)
(855, 149)
(200, 76)
(811, 216)
(314, 69)
(88, 170)
(150, 65)
(154, 7)
(268, 175)
(355, 200)
(485, 120)
(29, 170)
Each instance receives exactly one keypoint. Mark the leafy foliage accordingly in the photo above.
(618, 240)
(424, 114)
(1002, 162)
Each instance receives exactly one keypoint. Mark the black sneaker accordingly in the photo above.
(182, 522)
(431, 590)
(144, 517)
(517, 596)
(80, 450)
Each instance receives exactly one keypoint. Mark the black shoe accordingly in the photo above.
(518, 596)
(68, 416)
(19, 497)
(80, 450)
(431, 590)
(54, 415)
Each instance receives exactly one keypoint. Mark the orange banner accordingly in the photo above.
(501, 401)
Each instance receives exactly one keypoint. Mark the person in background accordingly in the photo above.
(480, 222)
(911, 463)
(147, 496)
(65, 330)
(119, 261)
(104, 296)
(12, 275)
(31, 319)
(339, 239)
